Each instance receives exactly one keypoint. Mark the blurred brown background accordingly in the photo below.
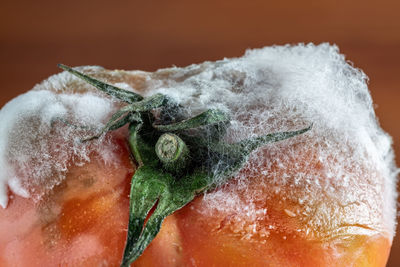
(36, 35)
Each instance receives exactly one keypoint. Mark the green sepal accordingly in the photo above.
(143, 151)
(131, 113)
(117, 121)
(247, 146)
(209, 117)
(121, 94)
(148, 187)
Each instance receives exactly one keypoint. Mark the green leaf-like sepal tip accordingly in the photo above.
(109, 89)
(181, 165)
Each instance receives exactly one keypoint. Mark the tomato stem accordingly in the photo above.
(172, 152)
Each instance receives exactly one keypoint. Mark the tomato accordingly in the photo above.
(83, 221)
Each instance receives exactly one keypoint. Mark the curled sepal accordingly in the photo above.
(209, 117)
(118, 120)
(131, 113)
(121, 94)
(249, 145)
(146, 189)
(225, 160)
(150, 189)
(142, 151)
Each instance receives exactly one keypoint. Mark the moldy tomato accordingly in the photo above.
(323, 199)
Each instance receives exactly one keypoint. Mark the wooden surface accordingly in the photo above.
(35, 36)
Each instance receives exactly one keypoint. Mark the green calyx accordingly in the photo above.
(178, 158)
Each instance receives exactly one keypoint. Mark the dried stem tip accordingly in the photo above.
(172, 151)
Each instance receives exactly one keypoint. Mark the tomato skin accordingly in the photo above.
(213, 241)
(166, 249)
